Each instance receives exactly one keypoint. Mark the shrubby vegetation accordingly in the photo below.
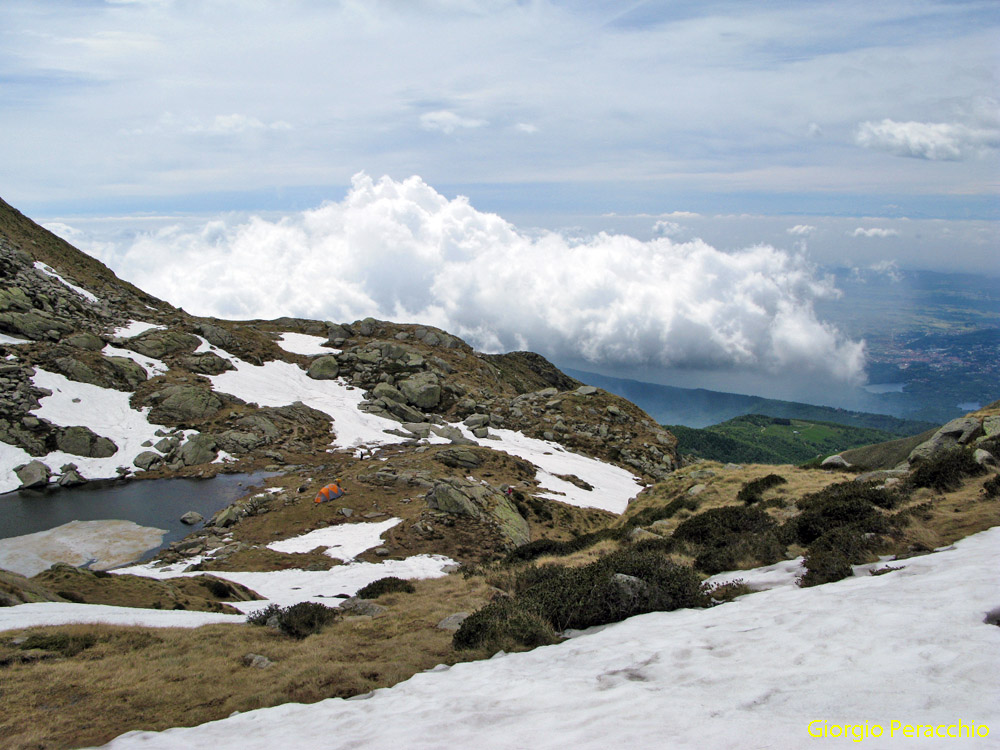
(946, 471)
(298, 620)
(387, 585)
(550, 598)
(753, 491)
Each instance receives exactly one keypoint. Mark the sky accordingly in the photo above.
(674, 153)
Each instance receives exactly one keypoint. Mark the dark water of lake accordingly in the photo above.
(159, 503)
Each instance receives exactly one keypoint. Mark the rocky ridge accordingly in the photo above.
(62, 312)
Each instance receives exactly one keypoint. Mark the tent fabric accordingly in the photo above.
(330, 492)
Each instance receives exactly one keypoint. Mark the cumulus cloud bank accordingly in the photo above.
(402, 251)
(936, 141)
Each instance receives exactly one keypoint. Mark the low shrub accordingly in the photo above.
(387, 585)
(991, 487)
(630, 581)
(946, 471)
(732, 537)
(753, 491)
(61, 643)
(542, 547)
(869, 492)
(624, 583)
(718, 593)
(261, 616)
(646, 516)
(747, 551)
(719, 525)
(298, 620)
(503, 625)
(829, 558)
(825, 566)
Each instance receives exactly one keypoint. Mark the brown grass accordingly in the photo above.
(137, 678)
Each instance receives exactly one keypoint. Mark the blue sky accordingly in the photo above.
(788, 107)
(864, 134)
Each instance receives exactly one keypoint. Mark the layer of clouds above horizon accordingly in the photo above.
(879, 109)
(402, 251)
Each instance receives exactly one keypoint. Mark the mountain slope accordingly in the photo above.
(697, 407)
(755, 438)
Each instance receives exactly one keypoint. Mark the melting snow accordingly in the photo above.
(49, 271)
(151, 365)
(134, 328)
(63, 613)
(105, 411)
(285, 587)
(5, 339)
(280, 384)
(613, 487)
(909, 646)
(303, 343)
(344, 541)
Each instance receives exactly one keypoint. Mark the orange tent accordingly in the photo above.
(331, 492)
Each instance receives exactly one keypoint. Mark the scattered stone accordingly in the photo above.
(33, 474)
(346, 512)
(191, 518)
(984, 457)
(325, 367)
(835, 462)
(696, 490)
(453, 622)
(148, 460)
(363, 607)
(257, 661)
(459, 458)
(586, 390)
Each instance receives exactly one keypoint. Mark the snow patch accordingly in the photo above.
(281, 384)
(302, 343)
(343, 542)
(151, 365)
(105, 411)
(49, 271)
(909, 646)
(135, 328)
(614, 487)
(287, 587)
(5, 339)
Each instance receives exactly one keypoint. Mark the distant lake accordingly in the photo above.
(884, 387)
(970, 406)
(159, 503)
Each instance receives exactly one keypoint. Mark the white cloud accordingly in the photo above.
(801, 230)
(874, 232)
(234, 124)
(936, 141)
(667, 228)
(526, 127)
(402, 251)
(220, 125)
(448, 122)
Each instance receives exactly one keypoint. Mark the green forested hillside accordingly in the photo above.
(755, 438)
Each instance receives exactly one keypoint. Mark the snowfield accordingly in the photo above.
(613, 486)
(910, 647)
(279, 383)
(303, 343)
